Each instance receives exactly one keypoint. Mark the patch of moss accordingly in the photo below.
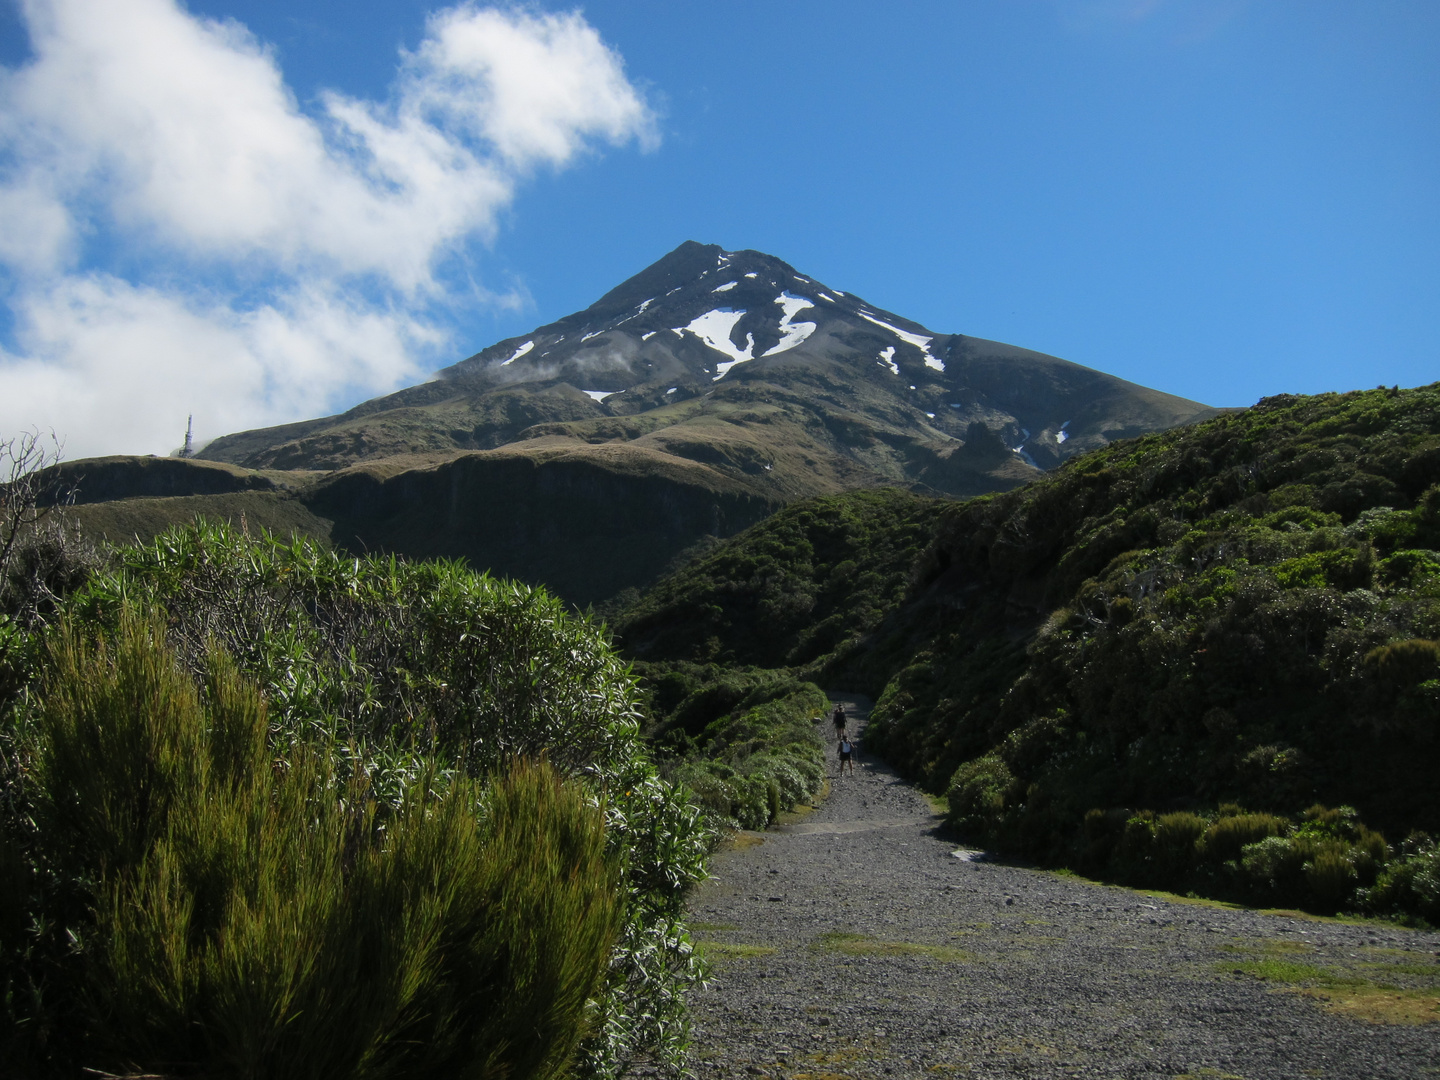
(1346, 988)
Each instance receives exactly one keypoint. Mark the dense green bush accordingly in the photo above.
(403, 677)
(1232, 832)
(748, 765)
(1241, 611)
(978, 794)
(808, 583)
(209, 901)
(1410, 884)
(1322, 860)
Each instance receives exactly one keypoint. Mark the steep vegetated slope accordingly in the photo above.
(688, 402)
(1149, 663)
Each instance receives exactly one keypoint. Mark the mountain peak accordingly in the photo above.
(710, 311)
(744, 335)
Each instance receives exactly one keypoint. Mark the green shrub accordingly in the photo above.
(1405, 663)
(1330, 877)
(1224, 840)
(1176, 837)
(978, 794)
(210, 905)
(1405, 569)
(405, 670)
(749, 765)
(1410, 885)
(1100, 833)
(1273, 868)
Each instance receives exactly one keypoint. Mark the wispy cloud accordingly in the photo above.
(177, 234)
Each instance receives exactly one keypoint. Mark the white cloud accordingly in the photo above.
(281, 256)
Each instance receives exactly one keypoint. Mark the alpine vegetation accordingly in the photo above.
(269, 811)
(1203, 660)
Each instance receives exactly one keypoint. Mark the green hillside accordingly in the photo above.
(1158, 654)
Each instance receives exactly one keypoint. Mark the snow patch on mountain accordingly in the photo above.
(1024, 438)
(752, 274)
(647, 337)
(920, 341)
(638, 312)
(792, 333)
(1062, 434)
(887, 357)
(521, 351)
(714, 329)
(599, 395)
(726, 287)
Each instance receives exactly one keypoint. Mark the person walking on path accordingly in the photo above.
(847, 751)
(839, 720)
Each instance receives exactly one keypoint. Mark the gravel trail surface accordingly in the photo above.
(856, 943)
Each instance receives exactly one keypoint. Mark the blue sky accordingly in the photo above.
(1217, 198)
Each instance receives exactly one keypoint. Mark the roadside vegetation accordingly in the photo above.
(1205, 660)
(268, 810)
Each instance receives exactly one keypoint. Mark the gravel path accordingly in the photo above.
(857, 944)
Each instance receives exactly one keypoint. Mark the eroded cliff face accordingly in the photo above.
(585, 525)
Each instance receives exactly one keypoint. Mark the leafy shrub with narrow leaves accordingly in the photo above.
(978, 794)
(209, 900)
(405, 673)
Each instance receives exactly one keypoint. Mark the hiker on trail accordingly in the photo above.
(839, 720)
(847, 750)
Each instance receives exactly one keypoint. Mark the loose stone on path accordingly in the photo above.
(855, 943)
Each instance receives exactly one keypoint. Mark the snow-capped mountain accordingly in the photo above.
(900, 402)
(687, 403)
